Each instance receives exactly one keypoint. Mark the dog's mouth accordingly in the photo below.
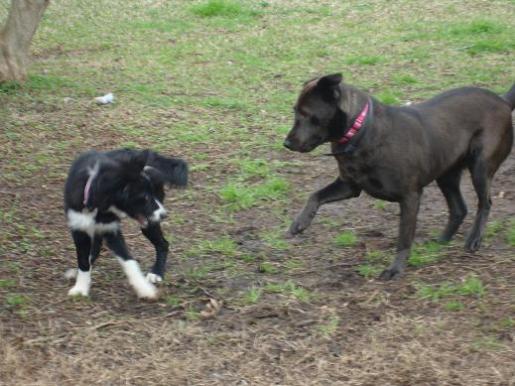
(311, 145)
(142, 220)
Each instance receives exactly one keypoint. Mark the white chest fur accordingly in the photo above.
(85, 221)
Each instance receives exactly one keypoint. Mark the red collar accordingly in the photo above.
(356, 126)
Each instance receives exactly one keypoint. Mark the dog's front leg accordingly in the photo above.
(155, 235)
(336, 191)
(409, 211)
(143, 288)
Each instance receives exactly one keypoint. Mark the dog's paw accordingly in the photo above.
(78, 291)
(154, 278)
(472, 244)
(70, 274)
(390, 274)
(299, 225)
(147, 292)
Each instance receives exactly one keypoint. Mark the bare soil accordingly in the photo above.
(350, 331)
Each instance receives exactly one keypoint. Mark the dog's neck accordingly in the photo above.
(357, 106)
(352, 102)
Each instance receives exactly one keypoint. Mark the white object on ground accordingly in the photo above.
(104, 100)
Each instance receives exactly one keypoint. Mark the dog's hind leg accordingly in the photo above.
(481, 179)
(449, 184)
(409, 211)
(95, 249)
(336, 191)
(93, 255)
(143, 288)
(155, 235)
(83, 279)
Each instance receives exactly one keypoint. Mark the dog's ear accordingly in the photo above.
(332, 80)
(167, 170)
(134, 165)
(329, 86)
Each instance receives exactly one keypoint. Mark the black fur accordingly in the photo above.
(123, 181)
(400, 150)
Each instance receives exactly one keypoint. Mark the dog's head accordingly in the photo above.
(318, 118)
(132, 182)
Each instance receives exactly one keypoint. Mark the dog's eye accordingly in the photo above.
(315, 121)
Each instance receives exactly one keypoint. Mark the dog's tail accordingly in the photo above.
(510, 97)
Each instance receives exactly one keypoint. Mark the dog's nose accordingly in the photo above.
(163, 216)
(287, 143)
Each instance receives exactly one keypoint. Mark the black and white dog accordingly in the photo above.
(104, 187)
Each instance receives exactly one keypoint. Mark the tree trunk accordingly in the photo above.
(15, 38)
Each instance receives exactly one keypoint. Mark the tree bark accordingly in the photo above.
(22, 22)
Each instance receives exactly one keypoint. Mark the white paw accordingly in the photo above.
(70, 274)
(78, 291)
(148, 291)
(154, 278)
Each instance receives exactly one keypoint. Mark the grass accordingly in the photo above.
(239, 196)
(346, 239)
(253, 295)
(471, 286)
(289, 288)
(267, 267)
(510, 234)
(6, 283)
(493, 228)
(221, 246)
(329, 329)
(424, 254)
(214, 82)
(368, 271)
(222, 8)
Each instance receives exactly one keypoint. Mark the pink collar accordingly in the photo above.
(87, 188)
(358, 123)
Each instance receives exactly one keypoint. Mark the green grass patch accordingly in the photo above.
(253, 295)
(267, 267)
(239, 196)
(289, 288)
(368, 271)
(510, 234)
(16, 300)
(404, 79)
(329, 329)
(365, 60)
(223, 8)
(223, 246)
(380, 204)
(471, 286)
(346, 239)
(197, 273)
(388, 97)
(454, 305)
(254, 168)
(172, 300)
(7, 283)
(274, 240)
(493, 228)
(475, 27)
(424, 254)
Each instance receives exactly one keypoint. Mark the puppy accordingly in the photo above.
(101, 188)
(392, 153)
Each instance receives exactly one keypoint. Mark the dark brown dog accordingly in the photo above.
(392, 153)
